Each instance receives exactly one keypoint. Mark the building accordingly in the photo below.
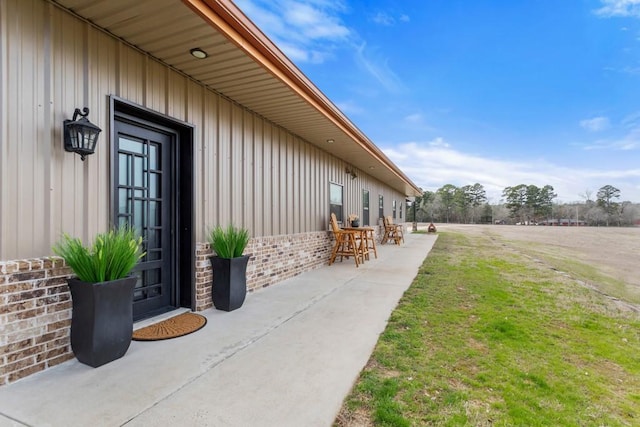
(204, 122)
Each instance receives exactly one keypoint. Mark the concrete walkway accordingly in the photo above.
(288, 357)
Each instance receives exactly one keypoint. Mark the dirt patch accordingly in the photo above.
(613, 251)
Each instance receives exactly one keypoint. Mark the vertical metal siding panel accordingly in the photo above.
(224, 171)
(132, 75)
(26, 121)
(267, 178)
(15, 67)
(176, 95)
(303, 195)
(323, 220)
(209, 145)
(274, 136)
(249, 167)
(356, 194)
(195, 108)
(5, 33)
(258, 177)
(102, 51)
(39, 196)
(323, 198)
(155, 86)
(314, 182)
(276, 207)
(311, 188)
(68, 75)
(27, 152)
(293, 206)
(283, 208)
(296, 205)
(14, 143)
(235, 186)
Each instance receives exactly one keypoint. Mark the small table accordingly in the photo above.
(367, 241)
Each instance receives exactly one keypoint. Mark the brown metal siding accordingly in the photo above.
(248, 170)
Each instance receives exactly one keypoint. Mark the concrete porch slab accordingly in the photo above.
(288, 357)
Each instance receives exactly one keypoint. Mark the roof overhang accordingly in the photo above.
(242, 65)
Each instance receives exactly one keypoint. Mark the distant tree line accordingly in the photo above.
(522, 204)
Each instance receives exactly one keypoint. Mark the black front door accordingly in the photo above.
(144, 186)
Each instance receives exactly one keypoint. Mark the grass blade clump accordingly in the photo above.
(228, 242)
(111, 256)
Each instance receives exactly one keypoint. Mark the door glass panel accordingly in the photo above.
(153, 238)
(154, 214)
(124, 168)
(127, 144)
(138, 215)
(152, 276)
(154, 185)
(153, 156)
(123, 201)
(365, 207)
(138, 172)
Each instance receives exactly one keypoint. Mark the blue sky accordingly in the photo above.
(492, 91)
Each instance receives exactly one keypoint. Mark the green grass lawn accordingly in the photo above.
(488, 337)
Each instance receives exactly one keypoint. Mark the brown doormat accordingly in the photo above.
(174, 327)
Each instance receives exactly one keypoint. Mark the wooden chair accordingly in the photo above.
(345, 244)
(399, 229)
(370, 241)
(392, 231)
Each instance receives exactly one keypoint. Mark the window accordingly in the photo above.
(365, 207)
(393, 207)
(380, 206)
(335, 200)
(401, 210)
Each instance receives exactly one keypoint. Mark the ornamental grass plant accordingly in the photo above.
(112, 255)
(228, 242)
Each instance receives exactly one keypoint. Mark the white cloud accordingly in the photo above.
(387, 19)
(350, 108)
(414, 118)
(632, 120)
(378, 68)
(595, 124)
(623, 8)
(439, 142)
(382, 18)
(306, 31)
(311, 31)
(628, 141)
(432, 164)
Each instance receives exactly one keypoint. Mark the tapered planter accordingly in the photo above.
(229, 282)
(102, 320)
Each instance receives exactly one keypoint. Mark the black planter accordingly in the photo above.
(355, 223)
(102, 320)
(229, 282)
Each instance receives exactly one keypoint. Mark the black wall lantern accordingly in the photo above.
(80, 136)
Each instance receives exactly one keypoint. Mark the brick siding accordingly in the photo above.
(273, 259)
(35, 316)
(35, 302)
